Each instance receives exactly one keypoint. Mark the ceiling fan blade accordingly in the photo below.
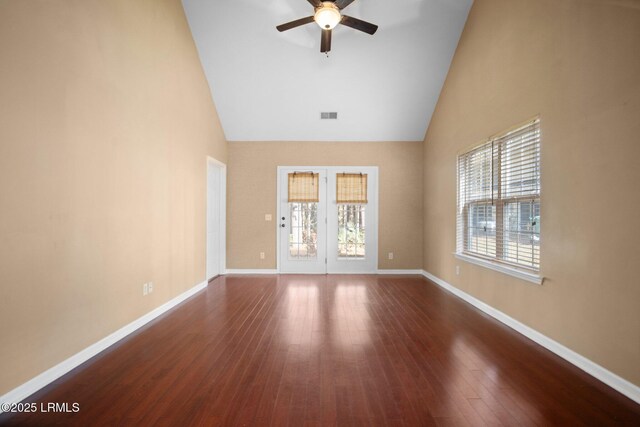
(294, 24)
(359, 24)
(343, 3)
(325, 42)
(315, 3)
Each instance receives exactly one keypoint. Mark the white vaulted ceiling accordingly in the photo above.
(272, 86)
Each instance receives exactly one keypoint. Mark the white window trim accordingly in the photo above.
(520, 274)
(496, 264)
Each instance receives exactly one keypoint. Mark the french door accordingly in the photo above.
(327, 219)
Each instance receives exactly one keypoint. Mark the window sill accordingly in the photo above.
(529, 277)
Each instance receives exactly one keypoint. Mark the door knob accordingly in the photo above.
(283, 218)
(282, 225)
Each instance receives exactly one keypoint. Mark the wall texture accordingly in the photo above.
(252, 176)
(575, 63)
(105, 124)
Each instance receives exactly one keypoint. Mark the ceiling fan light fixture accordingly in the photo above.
(327, 16)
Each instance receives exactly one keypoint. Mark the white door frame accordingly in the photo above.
(222, 244)
(373, 197)
(369, 264)
(317, 264)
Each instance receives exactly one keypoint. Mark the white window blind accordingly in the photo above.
(498, 214)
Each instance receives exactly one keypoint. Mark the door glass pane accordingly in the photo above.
(351, 231)
(303, 234)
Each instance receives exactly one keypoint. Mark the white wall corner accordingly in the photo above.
(614, 381)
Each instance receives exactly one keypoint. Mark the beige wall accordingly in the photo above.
(575, 63)
(252, 194)
(105, 124)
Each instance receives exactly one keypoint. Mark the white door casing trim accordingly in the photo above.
(369, 265)
(373, 199)
(315, 265)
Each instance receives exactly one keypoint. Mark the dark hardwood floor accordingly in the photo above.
(328, 350)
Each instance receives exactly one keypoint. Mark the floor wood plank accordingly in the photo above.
(324, 350)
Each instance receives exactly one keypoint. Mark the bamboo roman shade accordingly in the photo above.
(351, 188)
(303, 187)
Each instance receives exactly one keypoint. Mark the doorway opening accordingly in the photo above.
(216, 218)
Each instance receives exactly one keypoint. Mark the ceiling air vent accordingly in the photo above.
(329, 115)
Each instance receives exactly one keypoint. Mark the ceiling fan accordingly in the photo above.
(327, 15)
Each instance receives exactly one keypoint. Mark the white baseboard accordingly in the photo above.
(274, 271)
(419, 272)
(47, 377)
(614, 381)
(251, 271)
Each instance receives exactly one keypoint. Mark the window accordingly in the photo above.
(303, 237)
(303, 215)
(498, 215)
(351, 231)
(351, 197)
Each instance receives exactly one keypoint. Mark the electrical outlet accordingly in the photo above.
(457, 270)
(267, 217)
(150, 287)
(261, 255)
(145, 289)
(390, 255)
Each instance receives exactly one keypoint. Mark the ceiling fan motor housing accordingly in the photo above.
(327, 16)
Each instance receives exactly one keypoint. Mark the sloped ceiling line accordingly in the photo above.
(272, 86)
